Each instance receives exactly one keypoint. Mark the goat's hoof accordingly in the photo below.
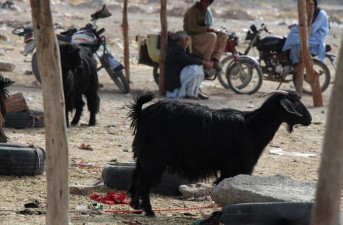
(92, 123)
(134, 204)
(150, 214)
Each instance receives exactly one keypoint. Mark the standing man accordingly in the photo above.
(207, 42)
(184, 73)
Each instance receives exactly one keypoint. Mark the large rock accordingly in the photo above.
(245, 189)
(5, 66)
(198, 190)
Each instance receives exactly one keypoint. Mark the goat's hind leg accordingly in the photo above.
(93, 102)
(78, 112)
(149, 176)
(132, 191)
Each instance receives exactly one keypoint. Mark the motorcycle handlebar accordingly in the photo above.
(102, 30)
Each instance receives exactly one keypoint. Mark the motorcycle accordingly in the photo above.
(87, 37)
(274, 63)
(232, 55)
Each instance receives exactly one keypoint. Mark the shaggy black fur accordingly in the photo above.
(80, 77)
(198, 142)
(4, 83)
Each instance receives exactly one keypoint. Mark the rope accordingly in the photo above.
(158, 210)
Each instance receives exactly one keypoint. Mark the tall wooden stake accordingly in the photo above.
(163, 49)
(125, 27)
(311, 76)
(328, 194)
(56, 142)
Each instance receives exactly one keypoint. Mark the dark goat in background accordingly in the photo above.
(4, 83)
(197, 142)
(80, 77)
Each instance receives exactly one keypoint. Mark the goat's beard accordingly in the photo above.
(290, 127)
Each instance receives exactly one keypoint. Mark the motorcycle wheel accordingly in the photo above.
(35, 68)
(118, 77)
(156, 73)
(221, 75)
(246, 80)
(324, 77)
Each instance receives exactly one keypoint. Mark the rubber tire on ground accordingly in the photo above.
(35, 68)
(156, 73)
(254, 66)
(267, 213)
(118, 177)
(25, 119)
(326, 74)
(21, 160)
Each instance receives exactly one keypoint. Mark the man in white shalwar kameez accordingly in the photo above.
(319, 30)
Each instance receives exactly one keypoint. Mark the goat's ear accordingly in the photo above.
(289, 107)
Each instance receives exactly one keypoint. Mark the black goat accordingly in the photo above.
(79, 71)
(197, 142)
(4, 83)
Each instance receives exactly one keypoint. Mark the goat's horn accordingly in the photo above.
(276, 91)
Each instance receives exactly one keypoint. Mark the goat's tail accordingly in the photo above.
(136, 108)
(4, 83)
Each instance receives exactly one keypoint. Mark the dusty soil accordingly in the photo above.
(111, 138)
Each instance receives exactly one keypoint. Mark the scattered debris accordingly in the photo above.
(94, 208)
(81, 190)
(34, 204)
(280, 151)
(110, 198)
(83, 146)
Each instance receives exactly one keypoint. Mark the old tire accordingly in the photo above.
(118, 177)
(221, 75)
(244, 76)
(24, 119)
(324, 77)
(267, 213)
(116, 75)
(156, 73)
(21, 160)
(35, 68)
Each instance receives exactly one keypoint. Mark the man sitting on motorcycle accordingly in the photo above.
(207, 42)
(319, 30)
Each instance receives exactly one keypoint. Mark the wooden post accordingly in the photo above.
(125, 27)
(163, 49)
(56, 142)
(311, 77)
(327, 204)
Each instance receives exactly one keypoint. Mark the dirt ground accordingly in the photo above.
(111, 138)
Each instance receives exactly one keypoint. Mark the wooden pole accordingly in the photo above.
(163, 49)
(125, 27)
(327, 204)
(311, 77)
(56, 141)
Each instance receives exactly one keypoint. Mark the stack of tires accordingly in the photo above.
(19, 116)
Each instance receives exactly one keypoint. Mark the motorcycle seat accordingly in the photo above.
(63, 38)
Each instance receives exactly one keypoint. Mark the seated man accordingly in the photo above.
(206, 41)
(319, 30)
(184, 73)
